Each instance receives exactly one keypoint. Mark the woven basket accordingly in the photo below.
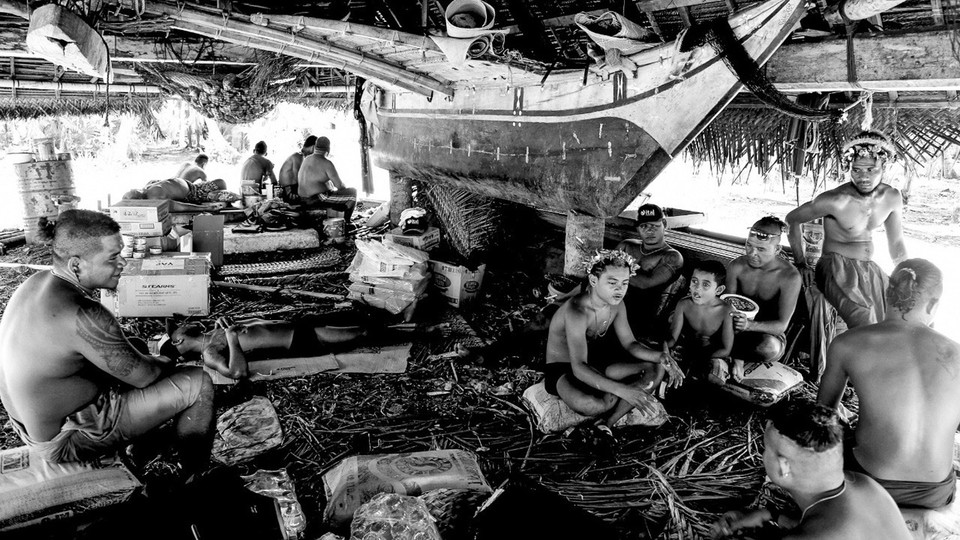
(453, 510)
(472, 222)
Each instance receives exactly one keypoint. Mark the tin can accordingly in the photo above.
(139, 254)
(126, 252)
(156, 250)
(334, 227)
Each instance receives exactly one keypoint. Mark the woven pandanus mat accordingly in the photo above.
(325, 259)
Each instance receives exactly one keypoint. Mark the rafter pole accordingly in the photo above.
(236, 31)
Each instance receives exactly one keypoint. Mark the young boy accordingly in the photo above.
(594, 380)
(704, 321)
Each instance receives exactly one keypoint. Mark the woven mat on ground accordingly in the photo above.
(386, 359)
(325, 259)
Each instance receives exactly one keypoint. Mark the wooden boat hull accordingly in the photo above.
(561, 144)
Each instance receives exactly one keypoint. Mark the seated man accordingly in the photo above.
(184, 196)
(648, 303)
(317, 175)
(803, 454)
(771, 282)
(702, 323)
(906, 376)
(74, 387)
(290, 170)
(605, 384)
(255, 170)
(192, 172)
(224, 347)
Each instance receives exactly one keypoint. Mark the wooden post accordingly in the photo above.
(401, 196)
(584, 238)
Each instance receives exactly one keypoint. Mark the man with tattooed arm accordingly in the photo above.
(73, 385)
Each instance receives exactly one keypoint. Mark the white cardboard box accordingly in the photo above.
(162, 286)
(458, 284)
(140, 210)
(425, 242)
(146, 228)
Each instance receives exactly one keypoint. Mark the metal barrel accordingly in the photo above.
(41, 184)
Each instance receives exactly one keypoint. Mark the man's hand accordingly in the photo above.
(674, 373)
(638, 398)
(808, 275)
(732, 522)
(740, 321)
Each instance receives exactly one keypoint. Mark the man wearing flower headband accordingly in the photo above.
(596, 377)
(846, 273)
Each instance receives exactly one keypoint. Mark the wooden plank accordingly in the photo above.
(656, 5)
(937, 7)
(904, 62)
(685, 16)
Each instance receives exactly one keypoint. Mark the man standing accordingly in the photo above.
(846, 274)
(73, 386)
(290, 170)
(191, 172)
(803, 455)
(319, 184)
(254, 170)
(658, 275)
(770, 281)
(906, 376)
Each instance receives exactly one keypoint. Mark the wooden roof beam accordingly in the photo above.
(904, 62)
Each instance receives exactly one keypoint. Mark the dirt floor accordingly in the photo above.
(666, 482)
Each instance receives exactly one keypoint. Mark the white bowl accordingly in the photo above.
(749, 313)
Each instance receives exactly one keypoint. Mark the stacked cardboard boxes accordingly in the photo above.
(388, 276)
(162, 286)
(146, 219)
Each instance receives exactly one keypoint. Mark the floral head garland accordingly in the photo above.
(876, 147)
(612, 257)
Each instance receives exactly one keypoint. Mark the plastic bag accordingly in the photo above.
(391, 253)
(366, 267)
(388, 516)
(277, 484)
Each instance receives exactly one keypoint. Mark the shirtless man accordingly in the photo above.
(224, 348)
(290, 170)
(846, 273)
(73, 386)
(604, 384)
(770, 281)
(659, 271)
(316, 175)
(254, 170)
(183, 196)
(906, 376)
(191, 172)
(803, 454)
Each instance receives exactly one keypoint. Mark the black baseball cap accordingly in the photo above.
(649, 213)
(310, 141)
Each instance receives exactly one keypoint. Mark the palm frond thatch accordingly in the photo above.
(747, 139)
(29, 108)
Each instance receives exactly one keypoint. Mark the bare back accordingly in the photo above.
(314, 174)
(906, 376)
(864, 511)
(174, 189)
(290, 169)
(43, 380)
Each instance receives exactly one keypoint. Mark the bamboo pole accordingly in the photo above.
(389, 37)
(190, 20)
(275, 290)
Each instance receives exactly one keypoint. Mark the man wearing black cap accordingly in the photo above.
(319, 184)
(291, 168)
(660, 267)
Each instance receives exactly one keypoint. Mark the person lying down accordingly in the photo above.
(225, 347)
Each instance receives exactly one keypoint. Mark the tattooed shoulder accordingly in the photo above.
(100, 330)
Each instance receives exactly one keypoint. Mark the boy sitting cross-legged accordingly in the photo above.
(702, 324)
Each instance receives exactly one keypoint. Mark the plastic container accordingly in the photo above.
(742, 304)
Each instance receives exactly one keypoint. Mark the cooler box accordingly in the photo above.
(162, 286)
(140, 210)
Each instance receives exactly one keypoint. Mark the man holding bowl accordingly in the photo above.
(772, 284)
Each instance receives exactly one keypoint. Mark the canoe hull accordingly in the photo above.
(564, 145)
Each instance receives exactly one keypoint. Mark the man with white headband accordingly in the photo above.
(846, 273)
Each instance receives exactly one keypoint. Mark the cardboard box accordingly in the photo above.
(140, 210)
(425, 242)
(146, 228)
(458, 284)
(162, 286)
